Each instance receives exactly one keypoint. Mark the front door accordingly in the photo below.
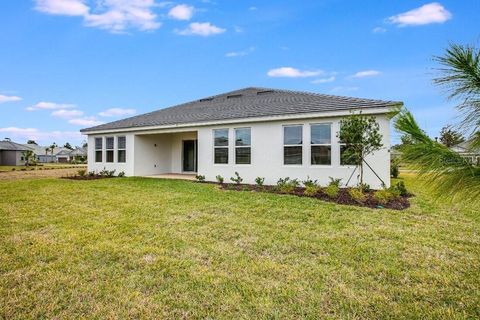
(189, 155)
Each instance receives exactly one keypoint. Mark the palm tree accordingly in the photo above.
(444, 170)
(52, 149)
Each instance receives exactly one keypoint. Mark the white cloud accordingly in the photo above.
(115, 16)
(50, 106)
(324, 80)
(4, 99)
(86, 121)
(66, 114)
(116, 112)
(62, 7)
(252, 8)
(204, 29)
(240, 53)
(289, 72)
(366, 73)
(24, 134)
(429, 13)
(181, 12)
(379, 30)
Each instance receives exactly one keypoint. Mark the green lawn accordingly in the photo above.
(150, 248)
(42, 166)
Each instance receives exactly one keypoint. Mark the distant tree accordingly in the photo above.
(406, 139)
(29, 157)
(85, 144)
(32, 142)
(7, 139)
(52, 148)
(449, 137)
(68, 146)
(361, 136)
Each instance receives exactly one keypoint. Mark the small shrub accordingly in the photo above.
(383, 196)
(311, 190)
(394, 168)
(246, 188)
(287, 185)
(237, 179)
(92, 174)
(332, 191)
(13, 169)
(334, 182)
(111, 173)
(400, 189)
(200, 178)
(23, 169)
(364, 187)
(309, 182)
(259, 181)
(357, 194)
(121, 174)
(220, 179)
(82, 172)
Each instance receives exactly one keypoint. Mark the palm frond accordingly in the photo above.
(460, 77)
(443, 170)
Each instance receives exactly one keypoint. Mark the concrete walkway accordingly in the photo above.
(177, 176)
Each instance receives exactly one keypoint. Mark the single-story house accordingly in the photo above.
(466, 150)
(256, 132)
(60, 154)
(11, 153)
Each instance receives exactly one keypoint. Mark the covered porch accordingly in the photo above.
(171, 155)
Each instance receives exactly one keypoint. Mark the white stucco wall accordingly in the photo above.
(11, 158)
(160, 151)
(267, 155)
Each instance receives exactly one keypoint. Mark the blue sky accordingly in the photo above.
(69, 64)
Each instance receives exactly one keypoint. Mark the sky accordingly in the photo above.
(70, 64)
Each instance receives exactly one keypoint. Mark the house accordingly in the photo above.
(11, 153)
(466, 150)
(256, 132)
(60, 154)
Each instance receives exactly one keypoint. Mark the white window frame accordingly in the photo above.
(292, 145)
(321, 144)
(220, 147)
(108, 149)
(244, 147)
(98, 149)
(121, 149)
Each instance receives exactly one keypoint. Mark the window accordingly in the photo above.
(292, 144)
(220, 146)
(98, 149)
(109, 147)
(243, 142)
(121, 152)
(320, 144)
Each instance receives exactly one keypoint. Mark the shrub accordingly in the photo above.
(357, 194)
(13, 169)
(23, 169)
(121, 174)
(82, 172)
(311, 190)
(259, 181)
(200, 178)
(400, 189)
(364, 187)
(219, 179)
(92, 174)
(332, 191)
(334, 182)
(237, 179)
(394, 168)
(383, 196)
(309, 182)
(287, 185)
(111, 173)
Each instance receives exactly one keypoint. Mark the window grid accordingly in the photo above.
(243, 149)
(326, 144)
(220, 146)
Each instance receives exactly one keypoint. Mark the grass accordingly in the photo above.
(151, 248)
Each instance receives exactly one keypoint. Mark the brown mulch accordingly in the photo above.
(37, 174)
(343, 197)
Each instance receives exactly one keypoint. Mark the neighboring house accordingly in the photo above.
(465, 150)
(256, 132)
(11, 153)
(60, 154)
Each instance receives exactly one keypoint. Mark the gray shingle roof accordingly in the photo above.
(11, 146)
(244, 103)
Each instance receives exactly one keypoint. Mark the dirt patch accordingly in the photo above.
(37, 174)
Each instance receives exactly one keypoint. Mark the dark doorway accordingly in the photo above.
(189, 155)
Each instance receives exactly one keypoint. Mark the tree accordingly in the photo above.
(68, 146)
(32, 142)
(85, 144)
(29, 157)
(361, 137)
(52, 149)
(449, 137)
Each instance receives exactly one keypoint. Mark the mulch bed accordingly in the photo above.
(343, 197)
